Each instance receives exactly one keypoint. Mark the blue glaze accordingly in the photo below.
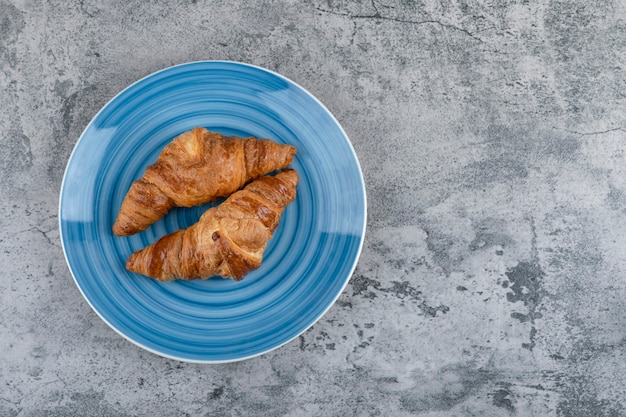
(308, 261)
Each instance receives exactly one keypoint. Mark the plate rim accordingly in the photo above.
(319, 316)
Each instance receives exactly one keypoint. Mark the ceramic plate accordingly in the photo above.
(308, 261)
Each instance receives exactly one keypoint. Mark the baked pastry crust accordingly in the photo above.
(196, 168)
(228, 240)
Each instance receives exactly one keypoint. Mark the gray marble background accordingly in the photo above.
(492, 137)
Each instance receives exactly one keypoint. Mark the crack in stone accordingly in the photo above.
(44, 233)
(378, 16)
(353, 34)
(595, 133)
(84, 9)
(10, 401)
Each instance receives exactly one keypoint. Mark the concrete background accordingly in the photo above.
(492, 137)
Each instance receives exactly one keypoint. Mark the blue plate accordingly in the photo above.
(307, 263)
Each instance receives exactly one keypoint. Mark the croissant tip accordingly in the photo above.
(133, 264)
(130, 263)
(118, 230)
(290, 174)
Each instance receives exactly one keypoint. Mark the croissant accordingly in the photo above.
(228, 240)
(196, 168)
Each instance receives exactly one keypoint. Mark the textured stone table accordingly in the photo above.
(493, 143)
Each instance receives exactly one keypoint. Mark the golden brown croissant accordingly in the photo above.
(228, 240)
(196, 168)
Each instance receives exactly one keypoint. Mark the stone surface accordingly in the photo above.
(492, 137)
